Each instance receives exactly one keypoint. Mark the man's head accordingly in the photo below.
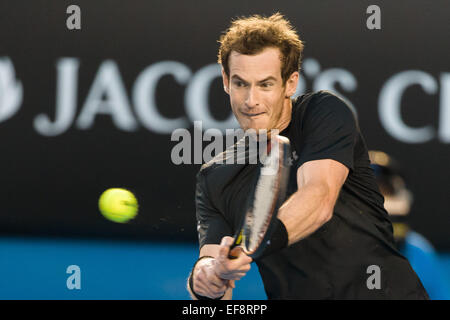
(260, 60)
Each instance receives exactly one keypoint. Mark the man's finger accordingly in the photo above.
(235, 252)
(225, 247)
(227, 241)
(234, 276)
(211, 291)
(204, 288)
(242, 262)
(201, 288)
(215, 281)
(244, 259)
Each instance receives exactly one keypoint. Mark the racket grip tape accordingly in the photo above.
(234, 252)
(234, 249)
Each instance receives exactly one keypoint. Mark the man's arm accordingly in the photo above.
(311, 206)
(215, 276)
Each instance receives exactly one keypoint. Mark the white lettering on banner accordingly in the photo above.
(330, 77)
(444, 116)
(144, 93)
(390, 103)
(11, 90)
(108, 95)
(66, 100)
(107, 82)
(197, 99)
(327, 80)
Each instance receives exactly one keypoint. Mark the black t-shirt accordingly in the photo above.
(336, 261)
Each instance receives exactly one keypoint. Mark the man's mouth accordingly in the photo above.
(252, 114)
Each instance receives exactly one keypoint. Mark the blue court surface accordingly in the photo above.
(35, 268)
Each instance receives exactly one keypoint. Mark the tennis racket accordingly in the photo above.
(268, 195)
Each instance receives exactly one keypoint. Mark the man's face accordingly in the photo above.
(257, 94)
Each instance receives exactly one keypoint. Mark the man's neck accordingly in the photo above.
(286, 115)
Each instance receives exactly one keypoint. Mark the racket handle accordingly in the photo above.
(234, 252)
(234, 249)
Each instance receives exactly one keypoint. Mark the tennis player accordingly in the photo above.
(332, 231)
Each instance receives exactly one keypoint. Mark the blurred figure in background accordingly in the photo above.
(418, 250)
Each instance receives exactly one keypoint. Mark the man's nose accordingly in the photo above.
(252, 97)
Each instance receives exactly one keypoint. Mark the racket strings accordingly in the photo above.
(264, 201)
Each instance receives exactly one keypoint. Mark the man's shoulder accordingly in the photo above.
(323, 102)
(217, 161)
(324, 99)
(223, 164)
(221, 177)
(314, 97)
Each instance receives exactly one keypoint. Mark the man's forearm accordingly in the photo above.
(306, 211)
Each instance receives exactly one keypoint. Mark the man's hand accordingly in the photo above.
(206, 281)
(231, 269)
(212, 277)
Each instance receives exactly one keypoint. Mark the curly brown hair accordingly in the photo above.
(251, 35)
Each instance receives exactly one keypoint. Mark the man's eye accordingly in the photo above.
(266, 84)
(239, 84)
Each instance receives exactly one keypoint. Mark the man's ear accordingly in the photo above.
(226, 82)
(291, 84)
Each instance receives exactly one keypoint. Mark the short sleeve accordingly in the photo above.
(211, 224)
(329, 131)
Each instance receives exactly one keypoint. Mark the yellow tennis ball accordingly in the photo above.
(118, 205)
